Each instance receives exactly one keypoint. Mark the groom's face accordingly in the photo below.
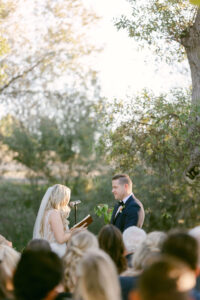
(118, 190)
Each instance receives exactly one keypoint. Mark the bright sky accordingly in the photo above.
(125, 70)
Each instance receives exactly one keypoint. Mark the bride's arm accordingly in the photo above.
(57, 227)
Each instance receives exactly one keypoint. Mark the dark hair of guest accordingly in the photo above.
(182, 246)
(37, 273)
(38, 244)
(111, 241)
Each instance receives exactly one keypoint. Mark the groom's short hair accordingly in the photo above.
(123, 179)
(37, 273)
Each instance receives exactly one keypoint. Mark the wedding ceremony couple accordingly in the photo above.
(52, 219)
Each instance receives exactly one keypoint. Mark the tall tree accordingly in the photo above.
(4, 48)
(51, 84)
(51, 54)
(172, 28)
(148, 142)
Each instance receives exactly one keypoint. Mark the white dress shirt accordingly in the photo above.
(124, 200)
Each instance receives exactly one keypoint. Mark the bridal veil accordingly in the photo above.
(36, 230)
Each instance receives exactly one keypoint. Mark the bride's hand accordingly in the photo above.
(79, 229)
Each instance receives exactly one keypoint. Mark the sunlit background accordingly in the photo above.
(123, 68)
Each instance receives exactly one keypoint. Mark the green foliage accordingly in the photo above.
(19, 205)
(195, 2)
(50, 65)
(52, 149)
(161, 24)
(150, 145)
(105, 211)
(154, 131)
(4, 47)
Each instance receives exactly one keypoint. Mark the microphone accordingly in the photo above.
(74, 203)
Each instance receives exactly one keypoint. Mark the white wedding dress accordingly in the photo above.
(59, 249)
(48, 233)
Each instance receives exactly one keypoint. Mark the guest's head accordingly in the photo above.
(132, 238)
(156, 238)
(195, 232)
(8, 262)
(97, 277)
(165, 279)
(38, 244)
(77, 246)
(111, 241)
(147, 250)
(38, 275)
(121, 186)
(182, 246)
(4, 241)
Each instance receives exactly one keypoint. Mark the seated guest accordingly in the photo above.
(195, 232)
(132, 238)
(156, 238)
(165, 279)
(183, 246)
(38, 244)
(148, 249)
(77, 246)
(8, 262)
(4, 241)
(38, 276)
(97, 278)
(111, 241)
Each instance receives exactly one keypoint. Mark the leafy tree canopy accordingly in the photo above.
(161, 24)
(145, 138)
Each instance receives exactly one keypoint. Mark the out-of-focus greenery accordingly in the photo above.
(19, 204)
(102, 210)
(54, 151)
(150, 145)
(195, 2)
(160, 25)
(171, 29)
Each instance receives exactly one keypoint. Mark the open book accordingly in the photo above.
(87, 221)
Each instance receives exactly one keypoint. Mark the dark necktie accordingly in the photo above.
(120, 203)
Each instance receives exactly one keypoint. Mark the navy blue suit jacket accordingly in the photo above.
(127, 285)
(132, 214)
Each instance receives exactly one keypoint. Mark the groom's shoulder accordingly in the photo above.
(133, 201)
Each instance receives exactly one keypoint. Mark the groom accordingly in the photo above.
(129, 210)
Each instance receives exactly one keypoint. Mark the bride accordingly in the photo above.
(51, 223)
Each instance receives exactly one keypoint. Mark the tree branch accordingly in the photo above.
(13, 79)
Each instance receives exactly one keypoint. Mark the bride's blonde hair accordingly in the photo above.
(58, 199)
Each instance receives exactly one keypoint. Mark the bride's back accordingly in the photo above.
(47, 231)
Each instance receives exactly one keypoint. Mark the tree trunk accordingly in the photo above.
(191, 43)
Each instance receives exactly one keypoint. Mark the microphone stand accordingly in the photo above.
(75, 211)
(74, 205)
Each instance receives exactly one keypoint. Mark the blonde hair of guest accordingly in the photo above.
(4, 241)
(59, 200)
(97, 277)
(79, 243)
(148, 249)
(8, 262)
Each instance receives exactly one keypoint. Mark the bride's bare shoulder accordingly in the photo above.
(54, 213)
